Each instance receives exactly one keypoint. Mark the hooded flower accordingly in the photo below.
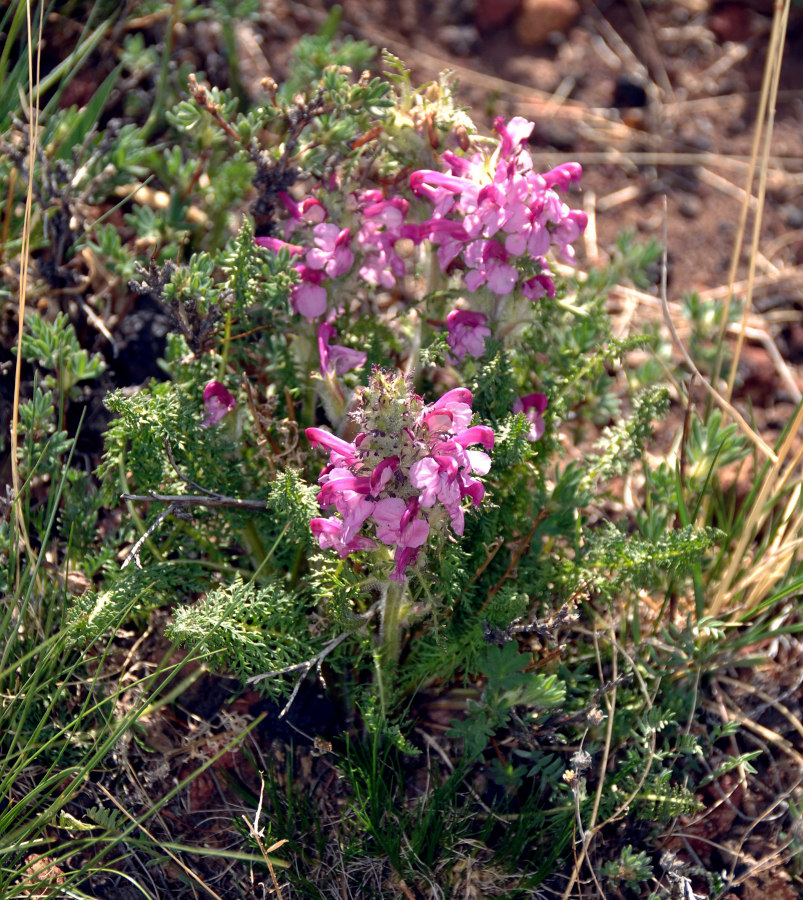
(489, 212)
(533, 406)
(467, 332)
(336, 360)
(217, 402)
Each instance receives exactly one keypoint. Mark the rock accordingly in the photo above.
(792, 215)
(462, 40)
(732, 22)
(490, 14)
(629, 92)
(690, 205)
(539, 18)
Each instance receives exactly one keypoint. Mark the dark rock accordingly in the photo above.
(629, 92)
(491, 14)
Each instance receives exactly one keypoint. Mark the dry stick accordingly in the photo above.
(589, 834)
(634, 158)
(257, 833)
(777, 554)
(767, 734)
(776, 704)
(431, 742)
(179, 500)
(12, 183)
(740, 231)
(774, 60)
(753, 436)
(786, 747)
(133, 553)
(646, 35)
(755, 330)
(739, 237)
(314, 662)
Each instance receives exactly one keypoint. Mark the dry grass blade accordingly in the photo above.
(33, 121)
(774, 482)
(769, 94)
(186, 869)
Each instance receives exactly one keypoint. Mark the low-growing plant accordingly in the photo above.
(386, 453)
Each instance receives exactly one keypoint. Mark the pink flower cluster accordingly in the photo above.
(333, 250)
(493, 216)
(490, 212)
(405, 475)
(498, 218)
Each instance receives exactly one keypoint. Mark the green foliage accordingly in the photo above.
(246, 631)
(619, 560)
(630, 869)
(322, 53)
(55, 347)
(712, 444)
(507, 688)
(656, 801)
(622, 444)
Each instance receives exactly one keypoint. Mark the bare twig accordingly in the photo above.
(133, 553)
(180, 500)
(314, 662)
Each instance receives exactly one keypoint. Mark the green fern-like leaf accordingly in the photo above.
(619, 559)
(246, 631)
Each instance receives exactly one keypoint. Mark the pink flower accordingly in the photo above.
(539, 286)
(330, 537)
(337, 446)
(489, 210)
(309, 298)
(513, 135)
(217, 402)
(467, 332)
(488, 263)
(336, 360)
(331, 251)
(276, 244)
(310, 212)
(533, 407)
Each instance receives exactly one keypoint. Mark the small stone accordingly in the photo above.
(690, 206)
(792, 215)
(629, 92)
(732, 22)
(540, 18)
(462, 40)
(491, 14)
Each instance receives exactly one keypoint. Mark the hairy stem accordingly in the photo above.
(394, 607)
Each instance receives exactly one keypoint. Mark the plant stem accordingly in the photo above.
(157, 110)
(394, 595)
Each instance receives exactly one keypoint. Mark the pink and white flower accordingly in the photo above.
(467, 332)
(217, 402)
(335, 359)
